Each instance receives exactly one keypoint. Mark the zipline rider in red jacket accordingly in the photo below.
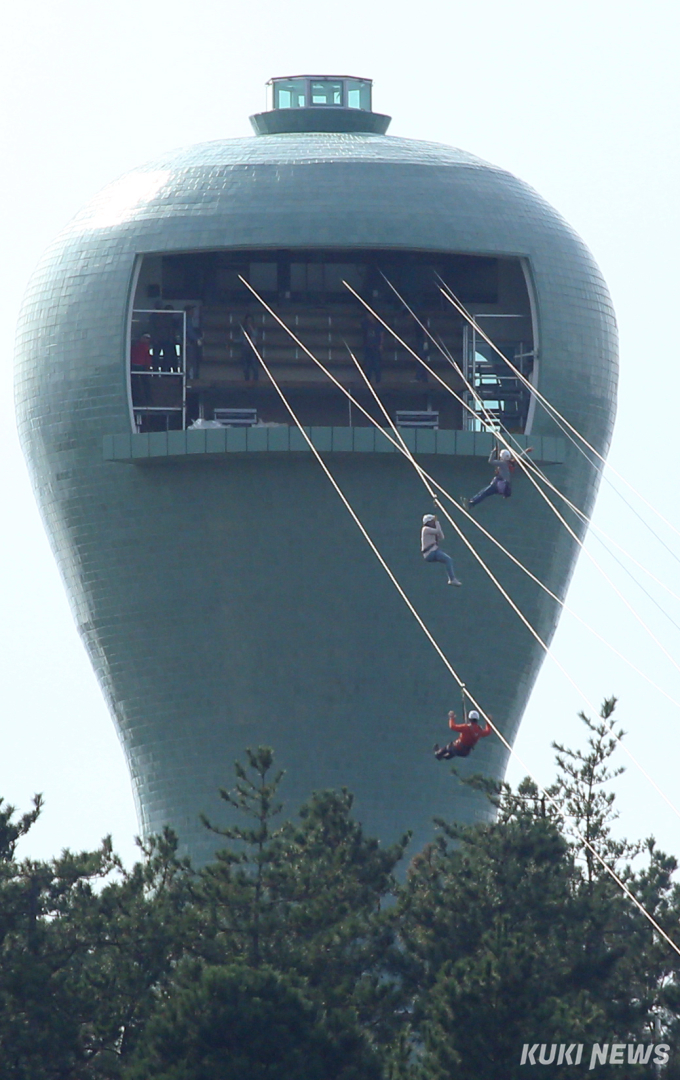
(469, 735)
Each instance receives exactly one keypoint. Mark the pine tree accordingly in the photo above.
(235, 1022)
(514, 933)
(240, 887)
(306, 898)
(588, 804)
(84, 945)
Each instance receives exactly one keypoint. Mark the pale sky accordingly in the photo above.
(579, 99)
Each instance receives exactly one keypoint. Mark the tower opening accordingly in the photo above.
(192, 315)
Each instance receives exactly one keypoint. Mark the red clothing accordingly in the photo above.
(470, 734)
(140, 353)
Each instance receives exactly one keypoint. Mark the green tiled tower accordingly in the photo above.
(224, 595)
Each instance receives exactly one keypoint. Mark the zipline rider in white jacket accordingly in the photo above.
(430, 535)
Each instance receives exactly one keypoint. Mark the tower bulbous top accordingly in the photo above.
(179, 610)
(340, 191)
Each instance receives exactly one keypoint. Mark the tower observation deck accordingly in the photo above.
(179, 297)
(224, 595)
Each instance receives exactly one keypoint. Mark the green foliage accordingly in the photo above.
(296, 954)
(82, 944)
(582, 792)
(237, 889)
(307, 899)
(11, 831)
(231, 1022)
(513, 933)
(491, 930)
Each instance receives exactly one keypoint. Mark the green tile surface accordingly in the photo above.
(224, 595)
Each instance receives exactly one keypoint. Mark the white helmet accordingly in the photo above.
(428, 519)
(473, 715)
(505, 455)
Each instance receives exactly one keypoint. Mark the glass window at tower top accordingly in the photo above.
(326, 93)
(290, 94)
(305, 92)
(358, 94)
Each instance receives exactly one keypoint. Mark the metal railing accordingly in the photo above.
(158, 374)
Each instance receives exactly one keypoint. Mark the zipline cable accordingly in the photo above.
(545, 794)
(491, 421)
(598, 529)
(528, 464)
(519, 460)
(460, 509)
(488, 418)
(455, 302)
(372, 421)
(563, 604)
(614, 488)
(506, 596)
(404, 449)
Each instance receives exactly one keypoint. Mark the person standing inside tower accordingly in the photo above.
(430, 535)
(469, 734)
(251, 367)
(141, 362)
(421, 346)
(194, 340)
(504, 464)
(157, 326)
(164, 327)
(374, 337)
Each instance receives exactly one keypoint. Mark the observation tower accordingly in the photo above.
(224, 595)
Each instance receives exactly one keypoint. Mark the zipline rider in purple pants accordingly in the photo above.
(505, 464)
